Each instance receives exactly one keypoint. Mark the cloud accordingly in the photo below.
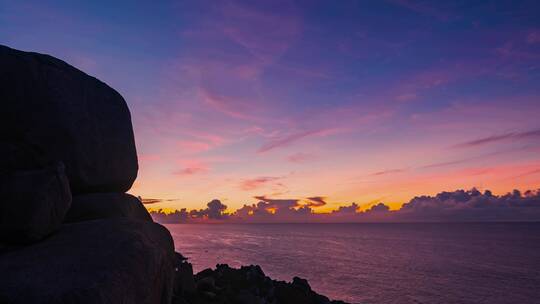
(215, 210)
(300, 157)
(444, 164)
(380, 207)
(149, 201)
(200, 142)
(500, 137)
(472, 205)
(273, 210)
(293, 137)
(256, 183)
(264, 33)
(455, 206)
(352, 209)
(531, 172)
(279, 203)
(190, 171)
(175, 217)
(386, 172)
(235, 107)
(192, 167)
(316, 201)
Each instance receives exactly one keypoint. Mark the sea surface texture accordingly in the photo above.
(381, 263)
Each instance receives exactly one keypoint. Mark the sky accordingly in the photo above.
(320, 102)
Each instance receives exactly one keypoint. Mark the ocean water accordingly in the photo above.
(382, 263)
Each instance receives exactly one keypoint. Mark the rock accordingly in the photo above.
(34, 203)
(206, 284)
(244, 297)
(184, 281)
(301, 284)
(55, 112)
(250, 285)
(19, 157)
(94, 206)
(103, 261)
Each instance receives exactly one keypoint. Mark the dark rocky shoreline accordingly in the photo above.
(244, 285)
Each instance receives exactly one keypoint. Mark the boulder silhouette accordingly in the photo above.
(110, 251)
(102, 261)
(85, 207)
(59, 113)
(34, 203)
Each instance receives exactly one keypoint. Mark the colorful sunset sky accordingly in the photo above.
(329, 101)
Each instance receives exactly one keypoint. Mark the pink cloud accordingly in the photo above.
(201, 142)
(192, 167)
(235, 107)
(300, 157)
(291, 138)
(255, 183)
(386, 172)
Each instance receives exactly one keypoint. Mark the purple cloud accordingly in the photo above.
(291, 138)
(316, 201)
(500, 137)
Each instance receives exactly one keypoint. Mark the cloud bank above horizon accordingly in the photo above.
(456, 206)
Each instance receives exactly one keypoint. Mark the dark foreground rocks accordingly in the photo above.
(34, 203)
(101, 261)
(53, 111)
(70, 234)
(93, 206)
(247, 285)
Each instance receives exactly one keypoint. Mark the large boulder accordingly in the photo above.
(106, 205)
(56, 112)
(34, 203)
(102, 261)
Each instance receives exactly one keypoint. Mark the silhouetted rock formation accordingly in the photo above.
(111, 251)
(34, 203)
(101, 261)
(106, 205)
(53, 111)
(247, 285)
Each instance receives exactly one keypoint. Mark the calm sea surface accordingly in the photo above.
(381, 263)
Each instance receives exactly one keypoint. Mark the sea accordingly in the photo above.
(381, 263)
